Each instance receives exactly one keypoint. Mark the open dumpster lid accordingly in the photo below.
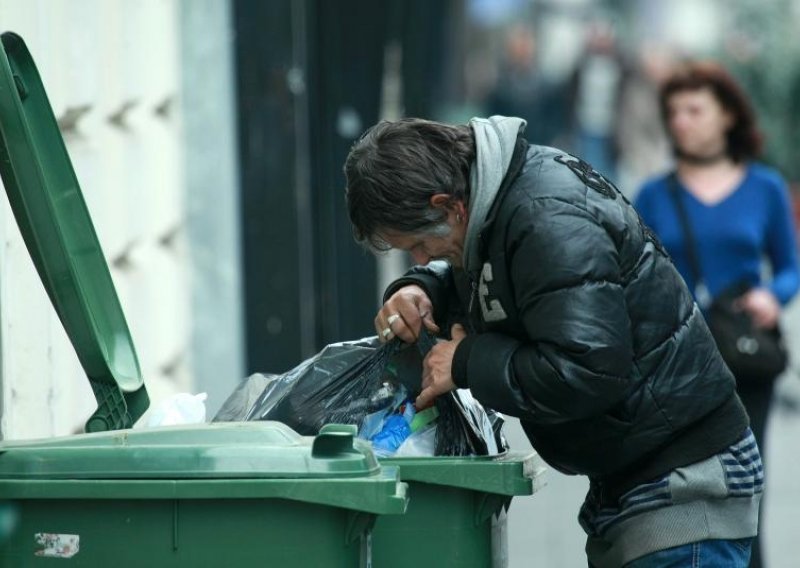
(55, 224)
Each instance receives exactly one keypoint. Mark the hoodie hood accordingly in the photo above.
(495, 139)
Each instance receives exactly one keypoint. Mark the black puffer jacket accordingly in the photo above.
(581, 327)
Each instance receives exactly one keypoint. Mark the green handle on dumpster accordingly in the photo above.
(335, 441)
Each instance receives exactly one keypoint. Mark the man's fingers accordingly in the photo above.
(390, 322)
(404, 314)
(458, 331)
(396, 322)
(382, 328)
(412, 319)
(425, 399)
(430, 325)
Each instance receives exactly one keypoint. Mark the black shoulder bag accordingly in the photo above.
(751, 353)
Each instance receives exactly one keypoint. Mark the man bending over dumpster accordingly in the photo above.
(560, 307)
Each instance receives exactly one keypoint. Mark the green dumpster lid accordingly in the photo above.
(218, 450)
(214, 461)
(52, 216)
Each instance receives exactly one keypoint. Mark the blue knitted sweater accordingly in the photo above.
(733, 236)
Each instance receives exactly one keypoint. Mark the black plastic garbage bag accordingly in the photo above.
(345, 382)
(464, 428)
(238, 404)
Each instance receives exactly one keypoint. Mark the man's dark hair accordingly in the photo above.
(395, 168)
(744, 139)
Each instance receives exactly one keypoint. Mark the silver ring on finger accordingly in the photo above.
(386, 332)
(391, 319)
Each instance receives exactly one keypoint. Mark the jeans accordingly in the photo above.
(703, 554)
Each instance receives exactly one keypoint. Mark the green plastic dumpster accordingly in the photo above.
(457, 511)
(245, 494)
(235, 494)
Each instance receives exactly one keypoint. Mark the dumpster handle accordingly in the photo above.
(334, 440)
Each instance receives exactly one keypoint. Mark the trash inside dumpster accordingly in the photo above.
(372, 386)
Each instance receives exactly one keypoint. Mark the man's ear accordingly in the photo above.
(441, 200)
(448, 203)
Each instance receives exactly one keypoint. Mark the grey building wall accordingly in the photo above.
(212, 187)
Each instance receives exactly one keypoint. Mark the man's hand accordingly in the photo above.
(763, 307)
(437, 369)
(404, 314)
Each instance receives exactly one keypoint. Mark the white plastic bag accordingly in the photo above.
(421, 443)
(180, 408)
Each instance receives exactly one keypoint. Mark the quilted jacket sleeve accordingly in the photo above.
(577, 358)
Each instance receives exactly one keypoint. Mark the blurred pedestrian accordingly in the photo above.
(521, 90)
(595, 96)
(644, 148)
(557, 306)
(720, 213)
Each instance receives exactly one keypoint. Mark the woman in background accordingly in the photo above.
(738, 209)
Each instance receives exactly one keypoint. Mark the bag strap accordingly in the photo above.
(701, 291)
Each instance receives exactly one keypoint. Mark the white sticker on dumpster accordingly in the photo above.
(57, 545)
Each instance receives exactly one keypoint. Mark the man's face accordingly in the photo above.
(445, 242)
